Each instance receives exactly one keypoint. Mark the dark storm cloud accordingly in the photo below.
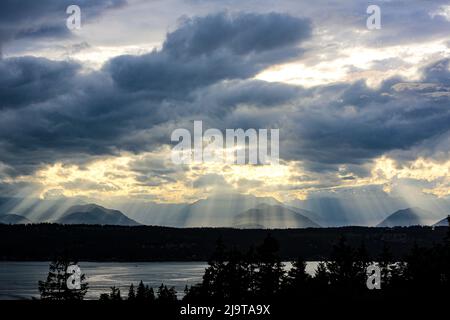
(341, 124)
(203, 51)
(29, 80)
(91, 117)
(438, 72)
(350, 124)
(44, 18)
(324, 126)
(411, 21)
(50, 111)
(239, 34)
(250, 92)
(402, 21)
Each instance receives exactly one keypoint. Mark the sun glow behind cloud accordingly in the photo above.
(120, 177)
(123, 177)
(387, 170)
(372, 64)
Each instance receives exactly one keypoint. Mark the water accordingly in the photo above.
(18, 280)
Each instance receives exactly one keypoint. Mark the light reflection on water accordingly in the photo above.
(18, 280)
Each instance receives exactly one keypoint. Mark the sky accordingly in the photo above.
(88, 114)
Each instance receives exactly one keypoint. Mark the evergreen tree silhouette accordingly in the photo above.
(297, 277)
(104, 297)
(321, 276)
(166, 295)
(131, 293)
(140, 292)
(251, 265)
(270, 268)
(386, 264)
(55, 286)
(259, 275)
(344, 271)
(143, 293)
(236, 278)
(413, 270)
(214, 277)
(446, 259)
(149, 294)
(362, 261)
(114, 295)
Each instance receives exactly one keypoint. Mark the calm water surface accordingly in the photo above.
(18, 280)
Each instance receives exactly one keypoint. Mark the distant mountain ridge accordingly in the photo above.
(407, 217)
(13, 219)
(441, 223)
(219, 210)
(95, 214)
(272, 216)
(41, 210)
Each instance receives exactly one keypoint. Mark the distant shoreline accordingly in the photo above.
(43, 242)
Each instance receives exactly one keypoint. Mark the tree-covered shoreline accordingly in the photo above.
(258, 275)
(43, 242)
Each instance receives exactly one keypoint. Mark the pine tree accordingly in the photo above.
(166, 295)
(251, 265)
(104, 297)
(386, 264)
(297, 277)
(342, 268)
(140, 292)
(55, 286)
(446, 258)
(149, 294)
(131, 293)
(447, 242)
(115, 294)
(271, 270)
(236, 278)
(213, 278)
(362, 261)
(321, 275)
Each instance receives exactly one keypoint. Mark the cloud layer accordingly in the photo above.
(61, 123)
